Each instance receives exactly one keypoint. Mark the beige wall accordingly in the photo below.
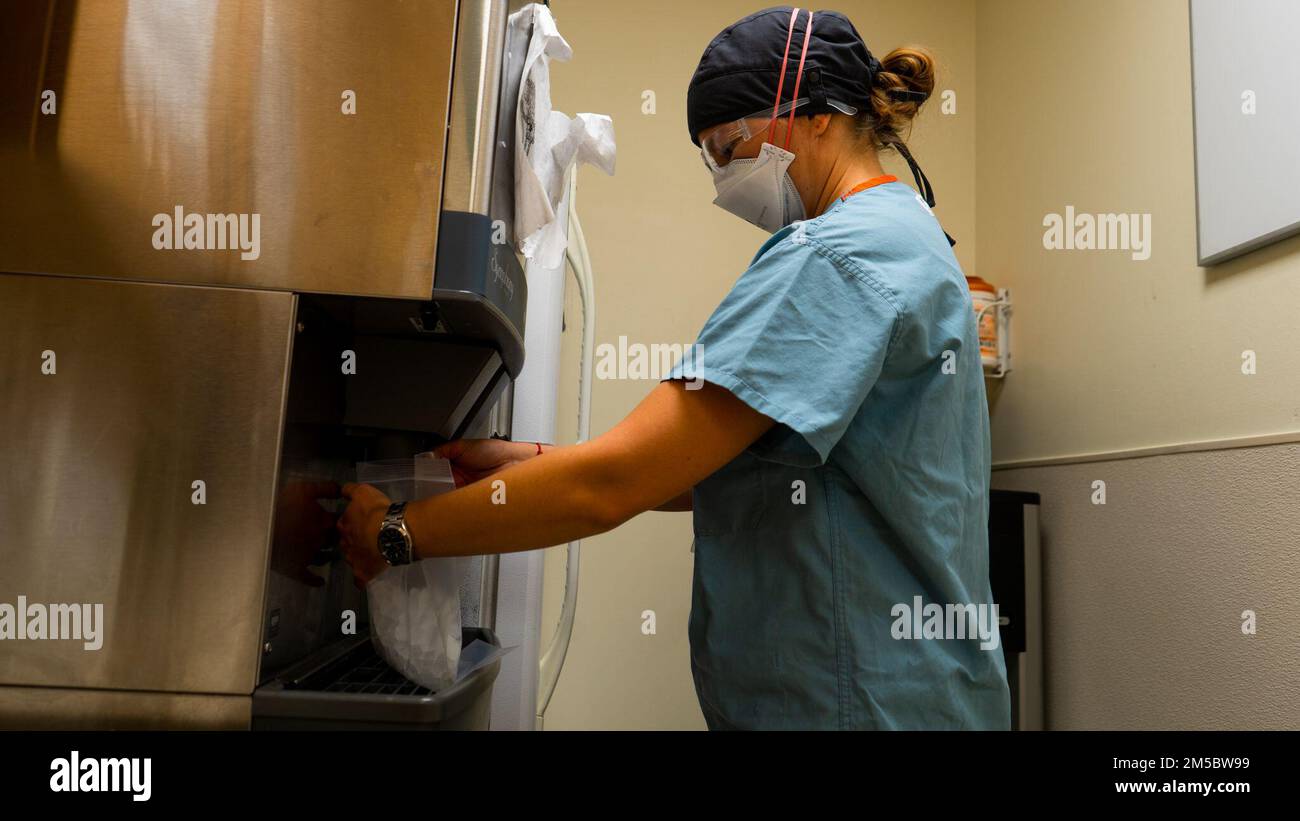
(1143, 596)
(664, 256)
(1088, 103)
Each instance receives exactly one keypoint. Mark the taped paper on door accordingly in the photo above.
(547, 143)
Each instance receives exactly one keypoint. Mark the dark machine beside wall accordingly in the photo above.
(1016, 574)
(242, 248)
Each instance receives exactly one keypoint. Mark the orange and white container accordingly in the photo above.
(983, 295)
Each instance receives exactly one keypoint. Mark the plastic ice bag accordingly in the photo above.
(415, 608)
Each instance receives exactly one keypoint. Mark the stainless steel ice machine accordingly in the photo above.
(207, 208)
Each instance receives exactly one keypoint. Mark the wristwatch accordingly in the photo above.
(394, 538)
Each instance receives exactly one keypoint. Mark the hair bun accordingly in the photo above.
(904, 80)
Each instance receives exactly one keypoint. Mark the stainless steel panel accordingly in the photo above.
(55, 708)
(471, 144)
(156, 386)
(231, 107)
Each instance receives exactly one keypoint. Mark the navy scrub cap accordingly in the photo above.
(739, 71)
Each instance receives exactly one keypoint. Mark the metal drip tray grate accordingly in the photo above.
(357, 668)
(348, 686)
(371, 675)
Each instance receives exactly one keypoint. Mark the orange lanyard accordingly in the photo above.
(871, 183)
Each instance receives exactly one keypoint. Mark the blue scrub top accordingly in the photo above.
(822, 548)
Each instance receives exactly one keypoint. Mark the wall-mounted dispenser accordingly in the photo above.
(993, 320)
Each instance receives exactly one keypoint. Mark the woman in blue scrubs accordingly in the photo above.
(829, 430)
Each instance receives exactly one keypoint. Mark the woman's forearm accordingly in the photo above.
(544, 501)
(673, 439)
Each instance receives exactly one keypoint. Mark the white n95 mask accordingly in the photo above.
(759, 189)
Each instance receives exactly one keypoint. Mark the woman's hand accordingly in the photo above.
(359, 531)
(473, 459)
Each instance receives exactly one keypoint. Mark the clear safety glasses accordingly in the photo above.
(721, 143)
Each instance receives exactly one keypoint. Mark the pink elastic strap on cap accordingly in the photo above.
(780, 83)
(789, 128)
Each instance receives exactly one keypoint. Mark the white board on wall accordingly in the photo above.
(1246, 110)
